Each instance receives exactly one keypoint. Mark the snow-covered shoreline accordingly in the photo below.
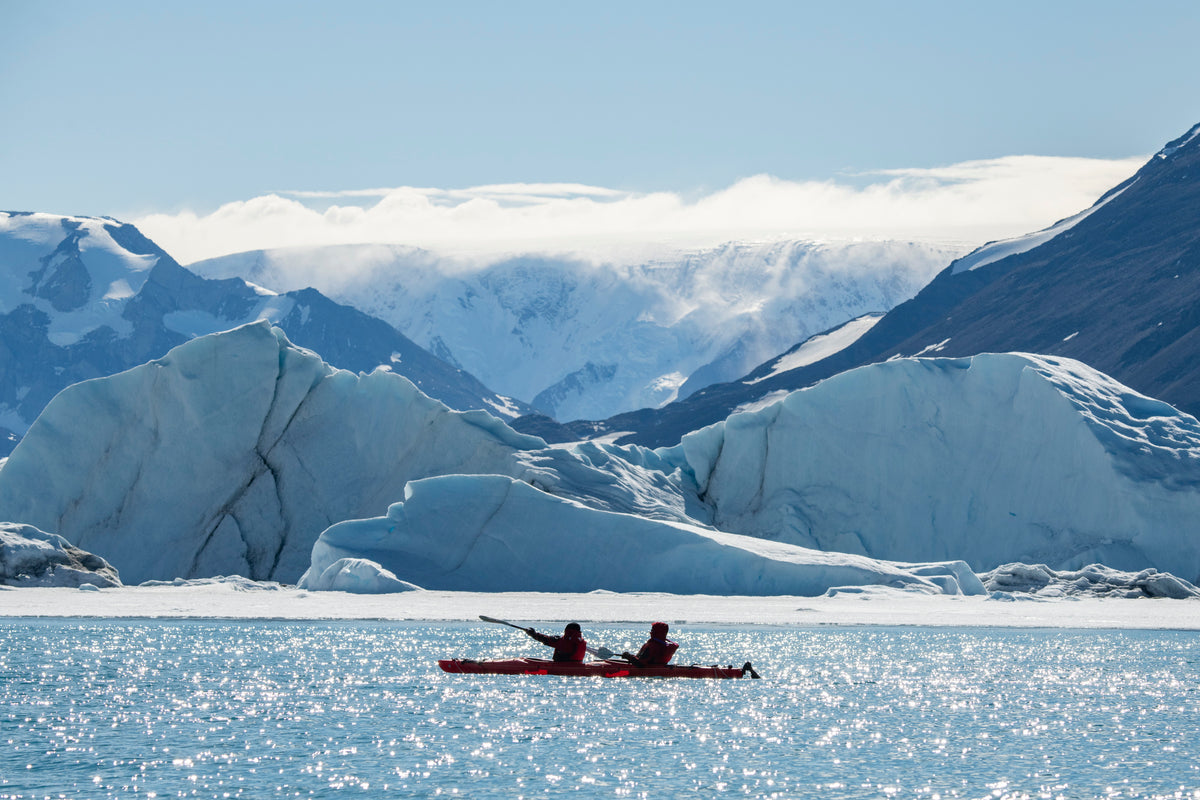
(873, 607)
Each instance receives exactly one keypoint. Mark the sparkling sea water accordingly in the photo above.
(219, 709)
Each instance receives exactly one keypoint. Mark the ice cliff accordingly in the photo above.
(236, 451)
(492, 533)
(1018, 581)
(992, 459)
(231, 454)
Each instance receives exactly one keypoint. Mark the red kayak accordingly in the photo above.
(603, 669)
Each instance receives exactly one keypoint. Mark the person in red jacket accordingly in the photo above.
(658, 649)
(571, 646)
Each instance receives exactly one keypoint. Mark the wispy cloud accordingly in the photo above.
(970, 202)
(500, 192)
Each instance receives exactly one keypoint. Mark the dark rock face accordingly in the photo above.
(1119, 290)
(63, 279)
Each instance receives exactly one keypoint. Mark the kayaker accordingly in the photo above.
(568, 647)
(658, 649)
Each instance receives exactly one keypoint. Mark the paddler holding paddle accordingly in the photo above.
(568, 647)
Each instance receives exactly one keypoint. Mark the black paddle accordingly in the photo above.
(598, 652)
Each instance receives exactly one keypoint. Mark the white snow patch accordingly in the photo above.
(933, 348)
(666, 387)
(119, 290)
(890, 608)
(260, 290)
(275, 308)
(606, 439)
(64, 338)
(821, 346)
(505, 407)
(767, 400)
(1190, 135)
(994, 251)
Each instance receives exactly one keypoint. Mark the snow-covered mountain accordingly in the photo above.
(586, 341)
(82, 297)
(1115, 286)
(241, 453)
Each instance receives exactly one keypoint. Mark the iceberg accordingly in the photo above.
(993, 459)
(231, 454)
(241, 454)
(494, 533)
(355, 575)
(1094, 580)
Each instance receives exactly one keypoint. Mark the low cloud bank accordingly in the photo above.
(971, 202)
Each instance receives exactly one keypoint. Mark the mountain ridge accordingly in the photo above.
(1114, 290)
(84, 297)
(582, 340)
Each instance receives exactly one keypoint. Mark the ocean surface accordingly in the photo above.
(220, 709)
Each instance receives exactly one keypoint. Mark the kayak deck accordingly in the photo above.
(603, 669)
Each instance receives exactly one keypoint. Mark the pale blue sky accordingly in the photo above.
(126, 108)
